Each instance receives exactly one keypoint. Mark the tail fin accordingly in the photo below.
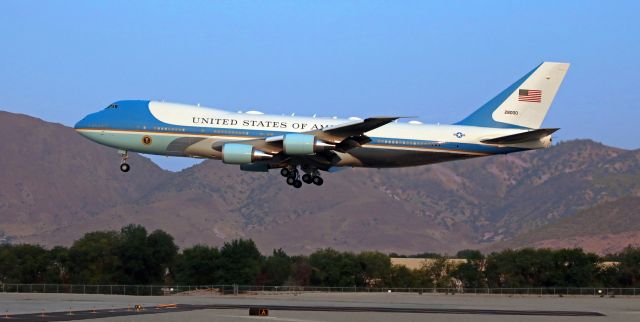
(525, 103)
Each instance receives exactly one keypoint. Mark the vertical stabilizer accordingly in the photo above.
(525, 103)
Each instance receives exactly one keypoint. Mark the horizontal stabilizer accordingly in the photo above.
(521, 137)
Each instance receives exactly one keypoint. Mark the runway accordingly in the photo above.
(317, 307)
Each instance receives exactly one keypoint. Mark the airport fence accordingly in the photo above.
(187, 290)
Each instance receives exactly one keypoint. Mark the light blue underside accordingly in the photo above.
(132, 141)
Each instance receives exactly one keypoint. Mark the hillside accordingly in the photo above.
(604, 229)
(62, 185)
(53, 177)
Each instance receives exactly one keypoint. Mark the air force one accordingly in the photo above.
(510, 122)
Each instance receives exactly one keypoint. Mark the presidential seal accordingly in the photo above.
(146, 140)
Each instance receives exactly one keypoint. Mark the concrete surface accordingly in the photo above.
(207, 308)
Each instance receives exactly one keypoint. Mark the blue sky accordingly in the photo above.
(437, 60)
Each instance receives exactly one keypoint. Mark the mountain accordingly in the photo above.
(603, 229)
(53, 177)
(61, 185)
(212, 203)
(499, 197)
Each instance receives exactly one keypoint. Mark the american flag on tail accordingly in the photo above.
(530, 95)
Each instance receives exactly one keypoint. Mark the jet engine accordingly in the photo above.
(304, 144)
(235, 153)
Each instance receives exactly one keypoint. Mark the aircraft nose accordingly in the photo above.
(86, 122)
(81, 124)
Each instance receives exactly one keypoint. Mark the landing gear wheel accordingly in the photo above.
(317, 181)
(297, 183)
(306, 178)
(124, 166)
(291, 180)
(285, 172)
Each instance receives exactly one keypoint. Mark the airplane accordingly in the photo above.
(509, 122)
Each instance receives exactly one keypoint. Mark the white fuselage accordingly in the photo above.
(187, 130)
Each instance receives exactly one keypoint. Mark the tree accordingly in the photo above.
(300, 271)
(470, 254)
(134, 255)
(8, 265)
(530, 267)
(437, 273)
(163, 252)
(333, 268)
(470, 273)
(573, 267)
(58, 265)
(503, 269)
(401, 276)
(23, 263)
(276, 268)
(241, 262)
(629, 267)
(198, 265)
(93, 259)
(375, 268)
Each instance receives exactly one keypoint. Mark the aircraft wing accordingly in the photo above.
(336, 134)
(340, 132)
(344, 136)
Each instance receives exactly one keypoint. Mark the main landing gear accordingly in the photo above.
(124, 166)
(293, 177)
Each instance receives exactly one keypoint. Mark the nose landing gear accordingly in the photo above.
(124, 166)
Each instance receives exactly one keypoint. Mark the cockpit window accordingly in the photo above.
(113, 106)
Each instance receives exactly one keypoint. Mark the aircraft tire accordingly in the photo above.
(291, 180)
(306, 178)
(125, 167)
(317, 181)
(285, 172)
(297, 184)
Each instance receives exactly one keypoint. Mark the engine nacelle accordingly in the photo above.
(304, 144)
(236, 153)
